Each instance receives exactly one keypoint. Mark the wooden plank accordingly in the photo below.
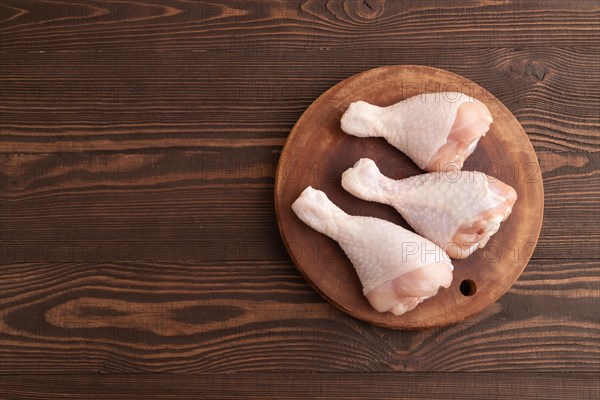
(310, 386)
(151, 101)
(203, 25)
(214, 205)
(572, 193)
(262, 317)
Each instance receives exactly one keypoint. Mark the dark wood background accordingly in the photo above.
(140, 252)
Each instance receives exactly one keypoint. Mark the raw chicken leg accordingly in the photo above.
(397, 268)
(433, 129)
(459, 212)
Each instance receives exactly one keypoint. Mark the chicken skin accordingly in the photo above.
(398, 269)
(459, 212)
(438, 131)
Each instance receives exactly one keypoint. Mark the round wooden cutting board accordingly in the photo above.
(317, 151)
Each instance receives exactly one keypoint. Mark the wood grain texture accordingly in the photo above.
(305, 386)
(138, 144)
(263, 317)
(213, 205)
(169, 100)
(302, 25)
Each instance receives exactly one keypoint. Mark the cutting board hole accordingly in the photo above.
(468, 287)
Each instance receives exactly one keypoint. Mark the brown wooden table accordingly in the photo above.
(140, 252)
